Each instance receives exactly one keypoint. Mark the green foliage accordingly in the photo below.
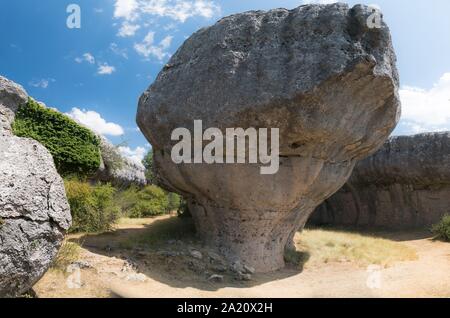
(442, 229)
(149, 201)
(93, 207)
(75, 149)
(148, 164)
(174, 201)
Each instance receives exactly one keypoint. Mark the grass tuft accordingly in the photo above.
(68, 253)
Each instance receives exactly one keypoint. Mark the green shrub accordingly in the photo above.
(148, 164)
(75, 149)
(174, 201)
(442, 229)
(93, 207)
(149, 201)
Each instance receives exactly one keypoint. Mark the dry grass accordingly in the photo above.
(68, 253)
(326, 246)
(133, 221)
(314, 246)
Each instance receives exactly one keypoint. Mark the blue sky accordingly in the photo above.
(97, 73)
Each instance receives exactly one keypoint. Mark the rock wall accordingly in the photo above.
(404, 185)
(34, 213)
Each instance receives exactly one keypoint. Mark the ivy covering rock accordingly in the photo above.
(75, 149)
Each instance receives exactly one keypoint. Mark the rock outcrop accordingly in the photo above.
(406, 184)
(117, 169)
(318, 73)
(114, 167)
(12, 95)
(34, 213)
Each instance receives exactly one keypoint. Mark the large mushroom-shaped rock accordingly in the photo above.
(406, 184)
(318, 73)
(34, 213)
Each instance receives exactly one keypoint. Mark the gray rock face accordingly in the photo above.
(117, 169)
(406, 184)
(34, 213)
(12, 95)
(318, 73)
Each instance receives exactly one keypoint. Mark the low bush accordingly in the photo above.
(75, 149)
(149, 201)
(442, 229)
(93, 206)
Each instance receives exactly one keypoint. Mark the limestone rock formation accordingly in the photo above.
(34, 213)
(406, 184)
(318, 73)
(12, 95)
(118, 169)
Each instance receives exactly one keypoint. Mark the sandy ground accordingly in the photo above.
(112, 271)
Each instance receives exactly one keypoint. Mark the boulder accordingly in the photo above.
(34, 213)
(12, 95)
(318, 73)
(406, 184)
(117, 169)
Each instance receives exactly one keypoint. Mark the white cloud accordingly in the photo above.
(87, 57)
(94, 121)
(135, 155)
(427, 110)
(116, 50)
(179, 10)
(148, 48)
(375, 6)
(126, 9)
(131, 11)
(42, 83)
(127, 29)
(105, 69)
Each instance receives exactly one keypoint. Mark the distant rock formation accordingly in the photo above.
(319, 73)
(114, 167)
(118, 169)
(34, 213)
(404, 185)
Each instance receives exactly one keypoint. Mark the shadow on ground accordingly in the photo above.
(162, 251)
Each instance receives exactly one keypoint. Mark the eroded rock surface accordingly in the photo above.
(34, 213)
(318, 73)
(117, 169)
(406, 184)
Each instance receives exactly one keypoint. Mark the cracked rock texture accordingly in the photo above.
(406, 184)
(318, 73)
(34, 213)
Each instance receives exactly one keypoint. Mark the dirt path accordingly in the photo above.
(111, 270)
